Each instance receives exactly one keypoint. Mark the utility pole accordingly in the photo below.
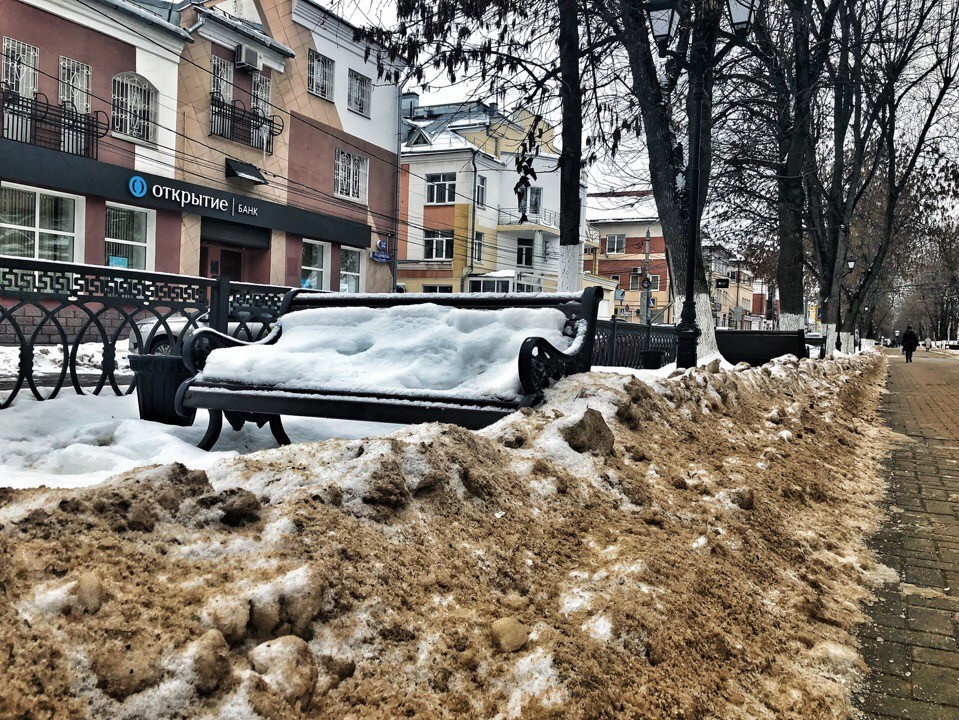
(647, 284)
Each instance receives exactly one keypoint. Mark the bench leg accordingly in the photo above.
(276, 427)
(212, 430)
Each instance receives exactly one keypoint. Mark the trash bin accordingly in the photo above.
(650, 359)
(158, 378)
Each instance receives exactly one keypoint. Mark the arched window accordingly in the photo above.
(134, 107)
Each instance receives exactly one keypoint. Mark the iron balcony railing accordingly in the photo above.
(34, 120)
(548, 218)
(233, 121)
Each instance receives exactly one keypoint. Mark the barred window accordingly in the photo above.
(261, 105)
(74, 85)
(20, 67)
(351, 175)
(360, 91)
(134, 107)
(221, 80)
(319, 75)
(438, 245)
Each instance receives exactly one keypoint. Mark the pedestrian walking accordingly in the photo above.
(910, 341)
(927, 343)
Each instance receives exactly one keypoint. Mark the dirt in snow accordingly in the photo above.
(690, 549)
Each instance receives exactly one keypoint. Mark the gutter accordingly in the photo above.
(147, 17)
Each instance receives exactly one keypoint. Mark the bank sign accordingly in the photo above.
(197, 201)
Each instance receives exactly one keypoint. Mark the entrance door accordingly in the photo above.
(231, 264)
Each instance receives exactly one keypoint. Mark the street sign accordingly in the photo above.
(382, 257)
(383, 244)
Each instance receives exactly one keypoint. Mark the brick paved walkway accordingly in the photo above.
(910, 646)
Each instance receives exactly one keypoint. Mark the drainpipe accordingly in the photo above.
(399, 173)
(472, 237)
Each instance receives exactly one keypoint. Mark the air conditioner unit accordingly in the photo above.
(248, 58)
(637, 271)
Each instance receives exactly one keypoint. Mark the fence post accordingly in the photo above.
(220, 304)
(611, 361)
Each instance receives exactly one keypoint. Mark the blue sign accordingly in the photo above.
(383, 244)
(382, 257)
(138, 186)
(118, 261)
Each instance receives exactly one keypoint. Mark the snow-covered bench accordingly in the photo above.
(467, 359)
(758, 347)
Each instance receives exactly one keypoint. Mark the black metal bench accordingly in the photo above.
(540, 363)
(758, 347)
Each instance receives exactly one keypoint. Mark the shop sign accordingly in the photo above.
(382, 257)
(192, 199)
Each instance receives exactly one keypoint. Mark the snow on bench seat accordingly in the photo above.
(414, 350)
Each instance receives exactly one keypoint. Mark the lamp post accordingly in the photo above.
(664, 20)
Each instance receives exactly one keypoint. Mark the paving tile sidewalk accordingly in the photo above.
(910, 645)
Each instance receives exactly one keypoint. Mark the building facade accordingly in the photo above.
(730, 289)
(620, 222)
(463, 227)
(234, 138)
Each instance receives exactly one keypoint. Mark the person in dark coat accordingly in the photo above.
(910, 341)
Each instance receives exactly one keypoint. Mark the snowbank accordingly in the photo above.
(687, 547)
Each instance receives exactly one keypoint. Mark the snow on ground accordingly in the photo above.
(49, 359)
(76, 440)
(690, 546)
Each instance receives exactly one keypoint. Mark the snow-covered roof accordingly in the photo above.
(621, 206)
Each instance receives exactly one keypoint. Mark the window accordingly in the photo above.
(129, 232)
(350, 175)
(21, 64)
(531, 200)
(438, 245)
(634, 281)
(489, 286)
(653, 282)
(440, 188)
(39, 224)
(134, 107)
(74, 92)
(221, 79)
(524, 252)
(589, 251)
(437, 288)
(358, 98)
(351, 265)
(614, 277)
(260, 105)
(319, 75)
(313, 266)
(478, 239)
(615, 244)
(481, 191)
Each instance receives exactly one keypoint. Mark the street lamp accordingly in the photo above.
(664, 19)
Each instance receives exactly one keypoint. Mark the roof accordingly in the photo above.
(621, 206)
(246, 28)
(151, 12)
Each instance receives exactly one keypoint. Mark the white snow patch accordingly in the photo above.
(599, 628)
(533, 677)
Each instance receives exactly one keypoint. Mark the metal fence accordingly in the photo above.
(69, 321)
(36, 121)
(619, 343)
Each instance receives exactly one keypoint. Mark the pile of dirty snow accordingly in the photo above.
(692, 547)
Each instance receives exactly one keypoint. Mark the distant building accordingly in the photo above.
(730, 289)
(619, 222)
(463, 228)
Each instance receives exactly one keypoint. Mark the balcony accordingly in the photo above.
(543, 218)
(57, 127)
(233, 121)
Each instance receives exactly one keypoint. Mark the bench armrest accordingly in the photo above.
(197, 347)
(541, 364)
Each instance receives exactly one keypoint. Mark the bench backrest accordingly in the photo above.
(758, 347)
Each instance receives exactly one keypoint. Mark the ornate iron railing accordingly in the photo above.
(620, 343)
(60, 315)
(549, 218)
(58, 127)
(233, 121)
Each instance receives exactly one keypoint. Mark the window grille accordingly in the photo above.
(134, 107)
(351, 175)
(260, 107)
(360, 91)
(20, 67)
(319, 76)
(221, 80)
(74, 85)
